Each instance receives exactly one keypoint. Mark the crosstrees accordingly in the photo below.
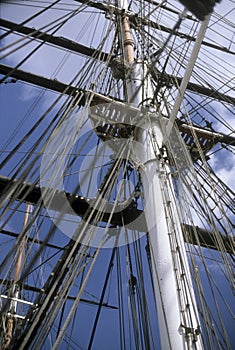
(58, 86)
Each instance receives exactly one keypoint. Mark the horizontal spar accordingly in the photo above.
(51, 84)
(55, 40)
(33, 240)
(80, 205)
(31, 288)
(102, 56)
(76, 205)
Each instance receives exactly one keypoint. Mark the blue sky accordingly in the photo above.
(17, 98)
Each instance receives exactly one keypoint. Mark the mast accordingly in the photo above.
(179, 323)
(15, 289)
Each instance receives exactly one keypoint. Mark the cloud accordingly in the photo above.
(227, 175)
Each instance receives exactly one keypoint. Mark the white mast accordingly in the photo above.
(178, 321)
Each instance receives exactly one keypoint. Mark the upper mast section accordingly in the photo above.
(128, 42)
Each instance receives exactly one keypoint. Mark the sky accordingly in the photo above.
(46, 62)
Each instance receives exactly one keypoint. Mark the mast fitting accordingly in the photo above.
(191, 332)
